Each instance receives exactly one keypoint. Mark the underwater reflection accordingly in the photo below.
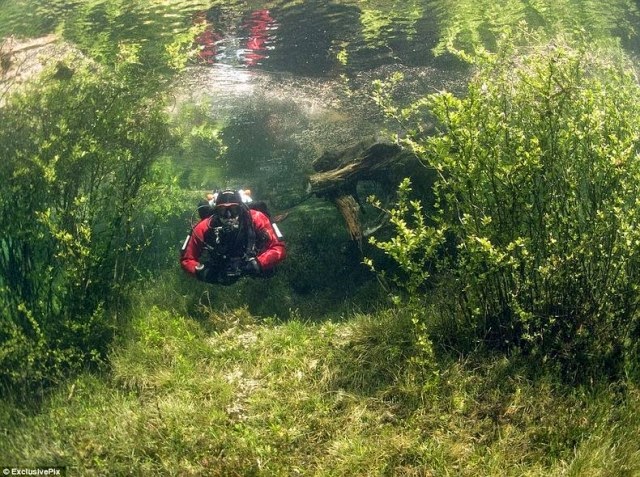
(244, 44)
(261, 27)
(207, 40)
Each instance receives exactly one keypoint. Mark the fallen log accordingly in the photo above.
(350, 210)
(338, 173)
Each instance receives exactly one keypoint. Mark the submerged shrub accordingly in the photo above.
(539, 190)
(77, 154)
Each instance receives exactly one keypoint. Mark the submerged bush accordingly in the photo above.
(539, 193)
(77, 153)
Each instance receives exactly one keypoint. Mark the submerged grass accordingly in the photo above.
(232, 394)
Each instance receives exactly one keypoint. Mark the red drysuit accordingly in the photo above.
(269, 249)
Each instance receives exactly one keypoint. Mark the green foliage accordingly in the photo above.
(471, 28)
(162, 33)
(539, 185)
(244, 396)
(197, 158)
(414, 244)
(77, 156)
(412, 248)
(378, 19)
(181, 50)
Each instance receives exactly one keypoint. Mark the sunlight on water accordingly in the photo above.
(297, 75)
(229, 82)
(314, 38)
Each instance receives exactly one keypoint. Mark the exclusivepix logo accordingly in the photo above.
(50, 471)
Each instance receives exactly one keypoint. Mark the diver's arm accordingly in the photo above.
(193, 249)
(275, 249)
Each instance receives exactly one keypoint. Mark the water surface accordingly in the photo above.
(286, 80)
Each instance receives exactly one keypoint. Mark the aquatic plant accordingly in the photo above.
(534, 230)
(78, 153)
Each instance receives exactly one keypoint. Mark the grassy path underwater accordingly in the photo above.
(240, 396)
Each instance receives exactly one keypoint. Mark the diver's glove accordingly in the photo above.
(251, 267)
(204, 273)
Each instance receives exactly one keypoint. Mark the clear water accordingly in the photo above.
(289, 79)
(284, 81)
(314, 37)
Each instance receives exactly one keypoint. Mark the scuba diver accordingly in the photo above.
(232, 240)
